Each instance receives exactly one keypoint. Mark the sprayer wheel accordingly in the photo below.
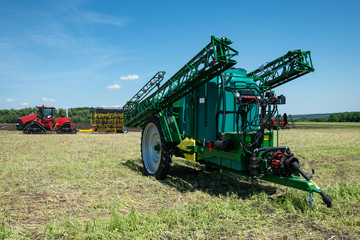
(155, 152)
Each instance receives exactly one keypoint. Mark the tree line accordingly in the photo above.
(77, 115)
(82, 115)
(345, 117)
(333, 117)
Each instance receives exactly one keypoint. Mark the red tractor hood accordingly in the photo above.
(20, 122)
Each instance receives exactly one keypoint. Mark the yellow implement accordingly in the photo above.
(108, 120)
(87, 130)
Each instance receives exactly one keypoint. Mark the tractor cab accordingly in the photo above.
(45, 115)
(45, 112)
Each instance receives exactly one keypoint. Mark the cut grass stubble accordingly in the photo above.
(92, 186)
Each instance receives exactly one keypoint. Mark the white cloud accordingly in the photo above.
(115, 86)
(10, 100)
(48, 99)
(130, 77)
(24, 104)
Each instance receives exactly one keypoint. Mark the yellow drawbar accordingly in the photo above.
(187, 143)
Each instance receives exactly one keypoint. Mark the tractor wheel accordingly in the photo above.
(124, 130)
(155, 152)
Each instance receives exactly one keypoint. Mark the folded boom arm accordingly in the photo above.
(284, 69)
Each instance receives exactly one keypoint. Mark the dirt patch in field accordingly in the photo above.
(320, 126)
(8, 127)
(134, 129)
(82, 125)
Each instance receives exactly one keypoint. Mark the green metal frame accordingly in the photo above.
(131, 107)
(293, 64)
(208, 63)
(294, 182)
(169, 128)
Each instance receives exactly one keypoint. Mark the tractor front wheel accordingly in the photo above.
(155, 152)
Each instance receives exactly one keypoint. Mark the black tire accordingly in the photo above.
(156, 162)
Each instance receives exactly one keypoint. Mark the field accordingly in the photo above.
(329, 124)
(91, 186)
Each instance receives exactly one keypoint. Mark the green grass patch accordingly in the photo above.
(91, 186)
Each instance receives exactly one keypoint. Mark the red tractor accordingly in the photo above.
(283, 123)
(43, 121)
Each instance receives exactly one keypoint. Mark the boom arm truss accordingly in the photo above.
(151, 86)
(284, 69)
(208, 63)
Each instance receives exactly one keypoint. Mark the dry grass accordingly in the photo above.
(91, 186)
(333, 152)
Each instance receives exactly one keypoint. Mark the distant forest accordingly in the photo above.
(82, 115)
(327, 117)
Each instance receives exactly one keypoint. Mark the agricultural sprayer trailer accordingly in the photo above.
(212, 113)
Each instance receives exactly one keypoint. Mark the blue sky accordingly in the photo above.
(80, 53)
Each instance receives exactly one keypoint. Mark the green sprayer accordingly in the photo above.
(212, 113)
